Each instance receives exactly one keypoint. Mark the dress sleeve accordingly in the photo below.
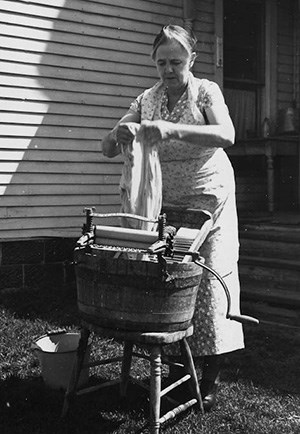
(210, 95)
(136, 105)
(212, 105)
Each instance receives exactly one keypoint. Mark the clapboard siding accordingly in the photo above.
(285, 53)
(57, 168)
(204, 28)
(56, 144)
(66, 179)
(53, 119)
(39, 107)
(54, 50)
(49, 156)
(69, 70)
(64, 80)
(23, 95)
(55, 189)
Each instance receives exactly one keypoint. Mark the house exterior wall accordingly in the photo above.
(69, 70)
(204, 27)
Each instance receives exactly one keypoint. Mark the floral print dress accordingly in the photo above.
(199, 177)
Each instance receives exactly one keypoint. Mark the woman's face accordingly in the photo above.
(173, 64)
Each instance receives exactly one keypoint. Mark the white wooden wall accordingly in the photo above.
(68, 70)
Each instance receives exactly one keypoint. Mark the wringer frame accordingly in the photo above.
(140, 287)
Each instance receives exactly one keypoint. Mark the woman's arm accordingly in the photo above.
(119, 135)
(221, 136)
(219, 133)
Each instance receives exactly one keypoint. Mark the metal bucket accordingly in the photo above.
(56, 353)
(134, 294)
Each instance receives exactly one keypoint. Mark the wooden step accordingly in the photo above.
(270, 272)
(270, 304)
(268, 313)
(268, 248)
(275, 271)
(288, 233)
(270, 241)
(264, 291)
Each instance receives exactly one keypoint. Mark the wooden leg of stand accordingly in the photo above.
(78, 362)
(190, 368)
(126, 364)
(155, 388)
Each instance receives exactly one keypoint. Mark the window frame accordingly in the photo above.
(257, 85)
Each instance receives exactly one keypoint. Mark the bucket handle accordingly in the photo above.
(56, 332)
(239, 318)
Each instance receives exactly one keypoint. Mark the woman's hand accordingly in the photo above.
(126, 132)
(152, 132)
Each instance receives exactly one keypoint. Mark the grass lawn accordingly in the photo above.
(259, 391)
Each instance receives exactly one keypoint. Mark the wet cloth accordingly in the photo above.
(141, 184)
(201, 177)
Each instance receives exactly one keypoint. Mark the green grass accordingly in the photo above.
(259, 391)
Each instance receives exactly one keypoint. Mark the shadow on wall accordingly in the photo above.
(69, 95)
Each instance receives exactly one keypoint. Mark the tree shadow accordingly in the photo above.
(27, 406)
(56, 305)
(71, 94)
(271, 359)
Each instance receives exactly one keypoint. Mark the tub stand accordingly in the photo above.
(155, 342)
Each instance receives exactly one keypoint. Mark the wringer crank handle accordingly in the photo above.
(239, 318)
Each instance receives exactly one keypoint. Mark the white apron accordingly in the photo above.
(202, 178)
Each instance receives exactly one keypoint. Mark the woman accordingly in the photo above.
(188, 120)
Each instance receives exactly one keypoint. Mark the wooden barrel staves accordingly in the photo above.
(133, 294)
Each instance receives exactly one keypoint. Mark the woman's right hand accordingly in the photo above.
(122, 135)
(126, 132)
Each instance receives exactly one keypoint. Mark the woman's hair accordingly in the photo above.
(171, 32)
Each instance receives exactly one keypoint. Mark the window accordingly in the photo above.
(244, 63)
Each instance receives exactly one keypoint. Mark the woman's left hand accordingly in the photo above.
(152, 132)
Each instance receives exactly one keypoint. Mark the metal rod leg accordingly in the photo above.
(78, 363)
(155, 388)
(190, 368)
(126, 365)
